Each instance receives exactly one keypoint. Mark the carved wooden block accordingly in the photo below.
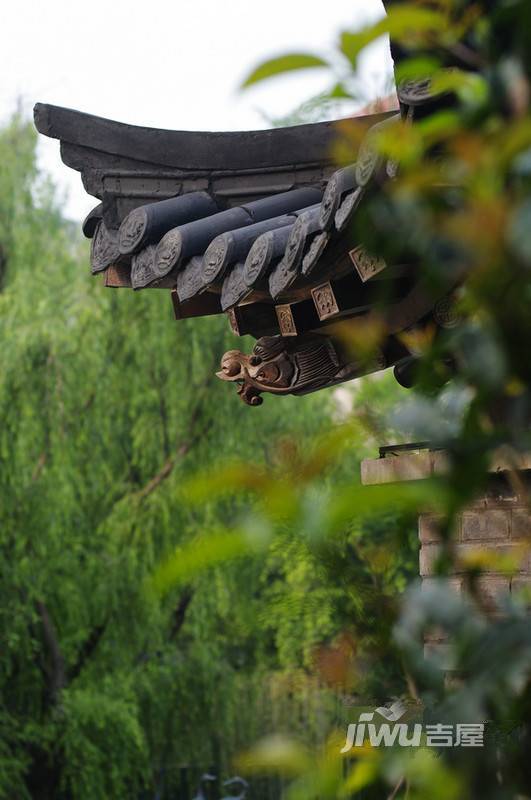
(325, 301)
(342, 297)
(367, 265)
(286, 321)
(297, 318)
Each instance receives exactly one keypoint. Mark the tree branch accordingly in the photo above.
(183, 449)
(55, 668)
(179, 614)
(157, 479)
(39, 466)
(178, 618)
(168, 466)
(89, 645)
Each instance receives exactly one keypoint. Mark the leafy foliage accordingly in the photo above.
(458, 207)
(108, 408)
(134, 642)
(283, 64)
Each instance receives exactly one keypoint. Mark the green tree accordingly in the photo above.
(460, 202)
(108, 408)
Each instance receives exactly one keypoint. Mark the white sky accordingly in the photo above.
(166, 64)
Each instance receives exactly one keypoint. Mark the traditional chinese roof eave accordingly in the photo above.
(255, 224)
(91, 143)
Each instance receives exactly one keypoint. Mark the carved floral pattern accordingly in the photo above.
(347, 208)
(104, 248)
(415, 91)
(368, 159)
(233, 321)
(317, 247)
(190, 279)
(168, 253)
(366, 264)
(295, 244)
(258, 258)
(325, 301)
(214, 259)
(286, 322)
(132, 230)
(142, 272)
(445, 313)
(329, 203)
(281, 278)
(234, 289)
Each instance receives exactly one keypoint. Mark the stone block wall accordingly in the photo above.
(497, 526)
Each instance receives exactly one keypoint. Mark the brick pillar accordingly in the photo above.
(498, 523)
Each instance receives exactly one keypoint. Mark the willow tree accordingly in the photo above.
(107, 407)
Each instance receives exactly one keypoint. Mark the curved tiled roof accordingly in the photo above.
(207, 237)
(253, 224)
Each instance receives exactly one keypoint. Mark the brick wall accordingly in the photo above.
(496, 528)
(494, 531)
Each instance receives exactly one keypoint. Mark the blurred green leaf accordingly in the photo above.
(358, 501)
(275, 754)
(430, 778)
(225, 480)
(362, 774)
(188, 561)
(470, 86)
(282, 64)
(339, 92)
(416, 68)
(407, 23)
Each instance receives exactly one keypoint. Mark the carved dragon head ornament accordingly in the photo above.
(281, 366)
